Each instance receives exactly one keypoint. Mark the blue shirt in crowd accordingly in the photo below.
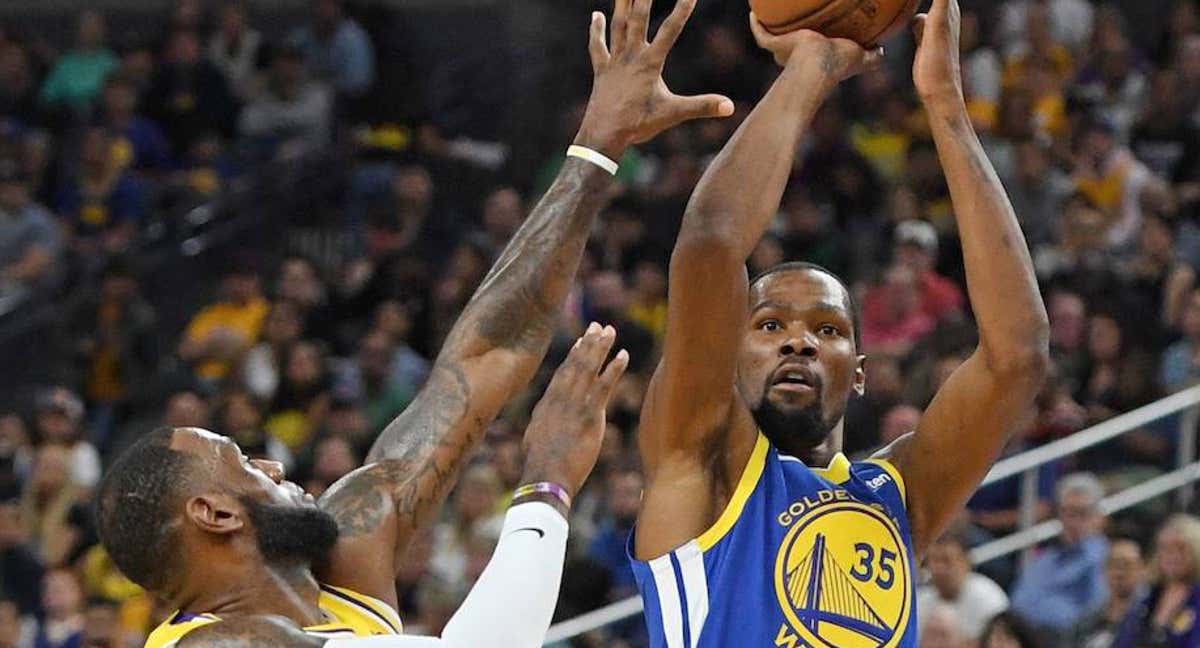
(1063, 584)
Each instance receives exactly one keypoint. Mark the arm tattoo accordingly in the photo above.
(415, 461)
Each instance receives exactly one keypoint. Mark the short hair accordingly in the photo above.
(1080, 482)
(798, 266)
(134, 503)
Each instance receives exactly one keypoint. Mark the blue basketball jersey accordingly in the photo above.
(800, 558)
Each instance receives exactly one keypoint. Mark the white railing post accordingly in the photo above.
(1186, 451)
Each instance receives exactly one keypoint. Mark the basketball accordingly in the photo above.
(866, 22)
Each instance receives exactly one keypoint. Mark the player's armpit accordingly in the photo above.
(960, 435)
(250, 632)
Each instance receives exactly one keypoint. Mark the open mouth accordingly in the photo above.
(796, 379)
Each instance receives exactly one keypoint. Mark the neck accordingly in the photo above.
(284, 590)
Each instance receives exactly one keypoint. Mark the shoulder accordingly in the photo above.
(985, 588)
(249, 632)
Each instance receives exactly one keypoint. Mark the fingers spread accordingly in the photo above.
(620, 24)
(607, 383)
(597, 48)
(668, 32)
(639, 22)
(700, 107)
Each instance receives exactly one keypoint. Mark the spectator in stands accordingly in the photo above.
(811, 233)
(292, 116)
(77, 76)
(101, 202)
(607, 301)
(1070, 21)
(240, 417)
(1180, 366)
(898, 421)
(608, 546)
(1007, 630)
(222, 331)
(893, 317)
(503, 212)
(187, 408)
(16, 631)
(973, 598)
(1065, 582)
(262, 365)
(18, 87)
(189, 96)
(337, 49)
(302, 401)
(333, 458)
(1124, 573)
(60, 419)
(1157, 280)
(371, 378)
(47, 502)
(916, 248)
(409, 368)
(1115, 181)
(299, 282)
(101, 627)
(1112, 85)
(30, 241)
(16, 448)
(1167, 615)
(115, 345)
(1119, 376)
(20, 570)
(942, 629)
(138, 143)
(1164, 136)
(62, 602)
(1068, 337)
(236, 48)
(1037, 190)
(473, 511)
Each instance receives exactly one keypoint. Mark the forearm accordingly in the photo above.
(740, 192)
(1000, 276)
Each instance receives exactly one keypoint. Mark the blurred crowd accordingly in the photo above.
(306, 350)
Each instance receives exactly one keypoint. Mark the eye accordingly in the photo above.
(770, 326)
(830, 329)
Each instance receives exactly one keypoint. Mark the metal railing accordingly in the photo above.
(1026, 464)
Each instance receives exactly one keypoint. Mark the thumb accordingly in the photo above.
(701, 106)
(918, 26)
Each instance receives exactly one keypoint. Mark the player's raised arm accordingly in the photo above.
(972, 416)
(498, 342)
(689, 400)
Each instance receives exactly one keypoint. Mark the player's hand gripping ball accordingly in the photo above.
(866, 22)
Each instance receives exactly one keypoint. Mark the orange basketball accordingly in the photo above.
(866, 22)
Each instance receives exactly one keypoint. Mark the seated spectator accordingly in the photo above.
(62, 602)
(1164, 136)
(996, 507)
(337, 49)
(893, 319)
(30, 241)
(916, 247)
(302, 401)
(1007, 630)
(1157, 281)
(262, 365)
(101, 626)
(1167, 614)
(409, 367)
(138, 143)
(1125, 575)
(1180, 366)
(60, 418)
(1037, 191)
(47, 502)
(1065, 582)
(1114, 181)
(102, 203)
(16, 448)
(607, 300)
(472, 510)
(222, 331)
(1119, 377)
(18, 87)
(240, 417)
(77, 75)
(981, 73)
(1112, 84)
(293, 115)
(941, 629)
(609, 545)
(20, 570)
(811, 233)
(1069, 21)
(370, 378)
(299, 281)
(503, 212)
(115, 346)
(1068, 337)
(972, 598)
(333, 458)
(235, 48)
(187, 408)
(189, 96)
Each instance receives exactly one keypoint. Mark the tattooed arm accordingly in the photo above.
(973, 414)
(502, 335)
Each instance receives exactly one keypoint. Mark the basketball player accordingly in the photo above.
(248, 560)
(754, 529)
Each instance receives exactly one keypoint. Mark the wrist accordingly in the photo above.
(602, 138)
(544, 498)
(807, 70)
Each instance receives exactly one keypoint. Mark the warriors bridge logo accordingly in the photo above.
(842, 578)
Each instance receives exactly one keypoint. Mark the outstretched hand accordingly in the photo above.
(630, 102)
(936, 70)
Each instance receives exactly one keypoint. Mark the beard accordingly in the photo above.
(292, 533)
(794, 431)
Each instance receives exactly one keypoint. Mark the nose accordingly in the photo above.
(803, 345)
(273, 469)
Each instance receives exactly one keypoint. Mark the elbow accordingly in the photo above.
(1027, 362)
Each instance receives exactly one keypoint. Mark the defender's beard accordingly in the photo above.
(290, 534)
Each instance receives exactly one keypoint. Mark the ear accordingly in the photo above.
(215, 514)
(860, 376)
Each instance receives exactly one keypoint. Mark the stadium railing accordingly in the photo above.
(1026, 465)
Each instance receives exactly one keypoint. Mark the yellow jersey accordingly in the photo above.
(347, 613)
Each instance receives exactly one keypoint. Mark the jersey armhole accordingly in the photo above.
(890, 468)
(745, 487)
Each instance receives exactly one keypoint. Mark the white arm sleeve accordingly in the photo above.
(513, 601)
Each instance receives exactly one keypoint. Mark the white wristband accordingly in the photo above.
(595, 157)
